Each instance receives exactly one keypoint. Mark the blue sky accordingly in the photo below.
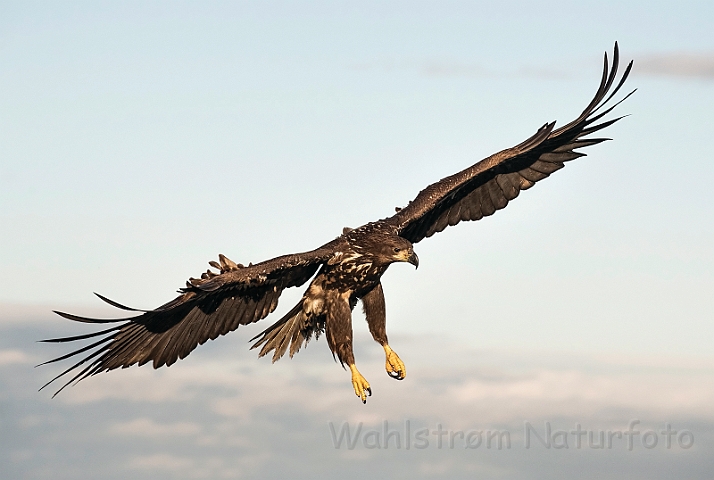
(140, 139)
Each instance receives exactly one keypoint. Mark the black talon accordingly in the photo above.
(396, 375)
(369, 390)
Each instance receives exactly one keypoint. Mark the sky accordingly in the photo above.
(138, 140)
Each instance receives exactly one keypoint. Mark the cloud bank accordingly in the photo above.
(222, 413)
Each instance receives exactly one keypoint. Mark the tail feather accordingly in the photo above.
(292, 330)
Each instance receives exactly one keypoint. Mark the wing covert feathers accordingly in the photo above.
(488, 186)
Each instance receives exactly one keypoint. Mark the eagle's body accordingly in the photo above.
(344, 271)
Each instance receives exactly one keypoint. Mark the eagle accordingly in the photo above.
(341, 272)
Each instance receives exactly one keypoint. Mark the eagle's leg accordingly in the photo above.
(376, 312)
(338, 331)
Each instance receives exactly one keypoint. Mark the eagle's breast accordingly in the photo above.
(353, 271)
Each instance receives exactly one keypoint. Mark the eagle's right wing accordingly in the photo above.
(208, 307)
(490, 184)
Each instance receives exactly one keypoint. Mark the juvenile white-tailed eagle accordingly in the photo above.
(343, 271)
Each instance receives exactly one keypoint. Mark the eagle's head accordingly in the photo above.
(393, 248)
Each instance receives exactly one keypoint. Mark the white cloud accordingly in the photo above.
(161, 461)
(473, 387)
(10, 357)
(682, 64)
(146, 427)
(676, 64)
(211, 467)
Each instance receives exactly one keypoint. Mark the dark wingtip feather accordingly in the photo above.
(76, 318)
(80, 337)
(78, 351)
(66, 372)
(80, 376)
(118, 305)
(600, 126)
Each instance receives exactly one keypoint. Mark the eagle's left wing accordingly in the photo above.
(490, 184)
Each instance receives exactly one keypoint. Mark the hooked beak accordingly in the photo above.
(414, 260)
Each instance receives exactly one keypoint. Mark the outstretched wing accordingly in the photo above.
(490, 184)
(208, 307)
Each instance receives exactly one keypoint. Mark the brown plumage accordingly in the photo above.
(345, 270)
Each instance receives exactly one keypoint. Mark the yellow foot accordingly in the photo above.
(360, 384)
(394, 365)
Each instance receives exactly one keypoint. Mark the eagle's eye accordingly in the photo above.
(397, 249)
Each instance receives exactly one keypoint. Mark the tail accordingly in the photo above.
(294, 329)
